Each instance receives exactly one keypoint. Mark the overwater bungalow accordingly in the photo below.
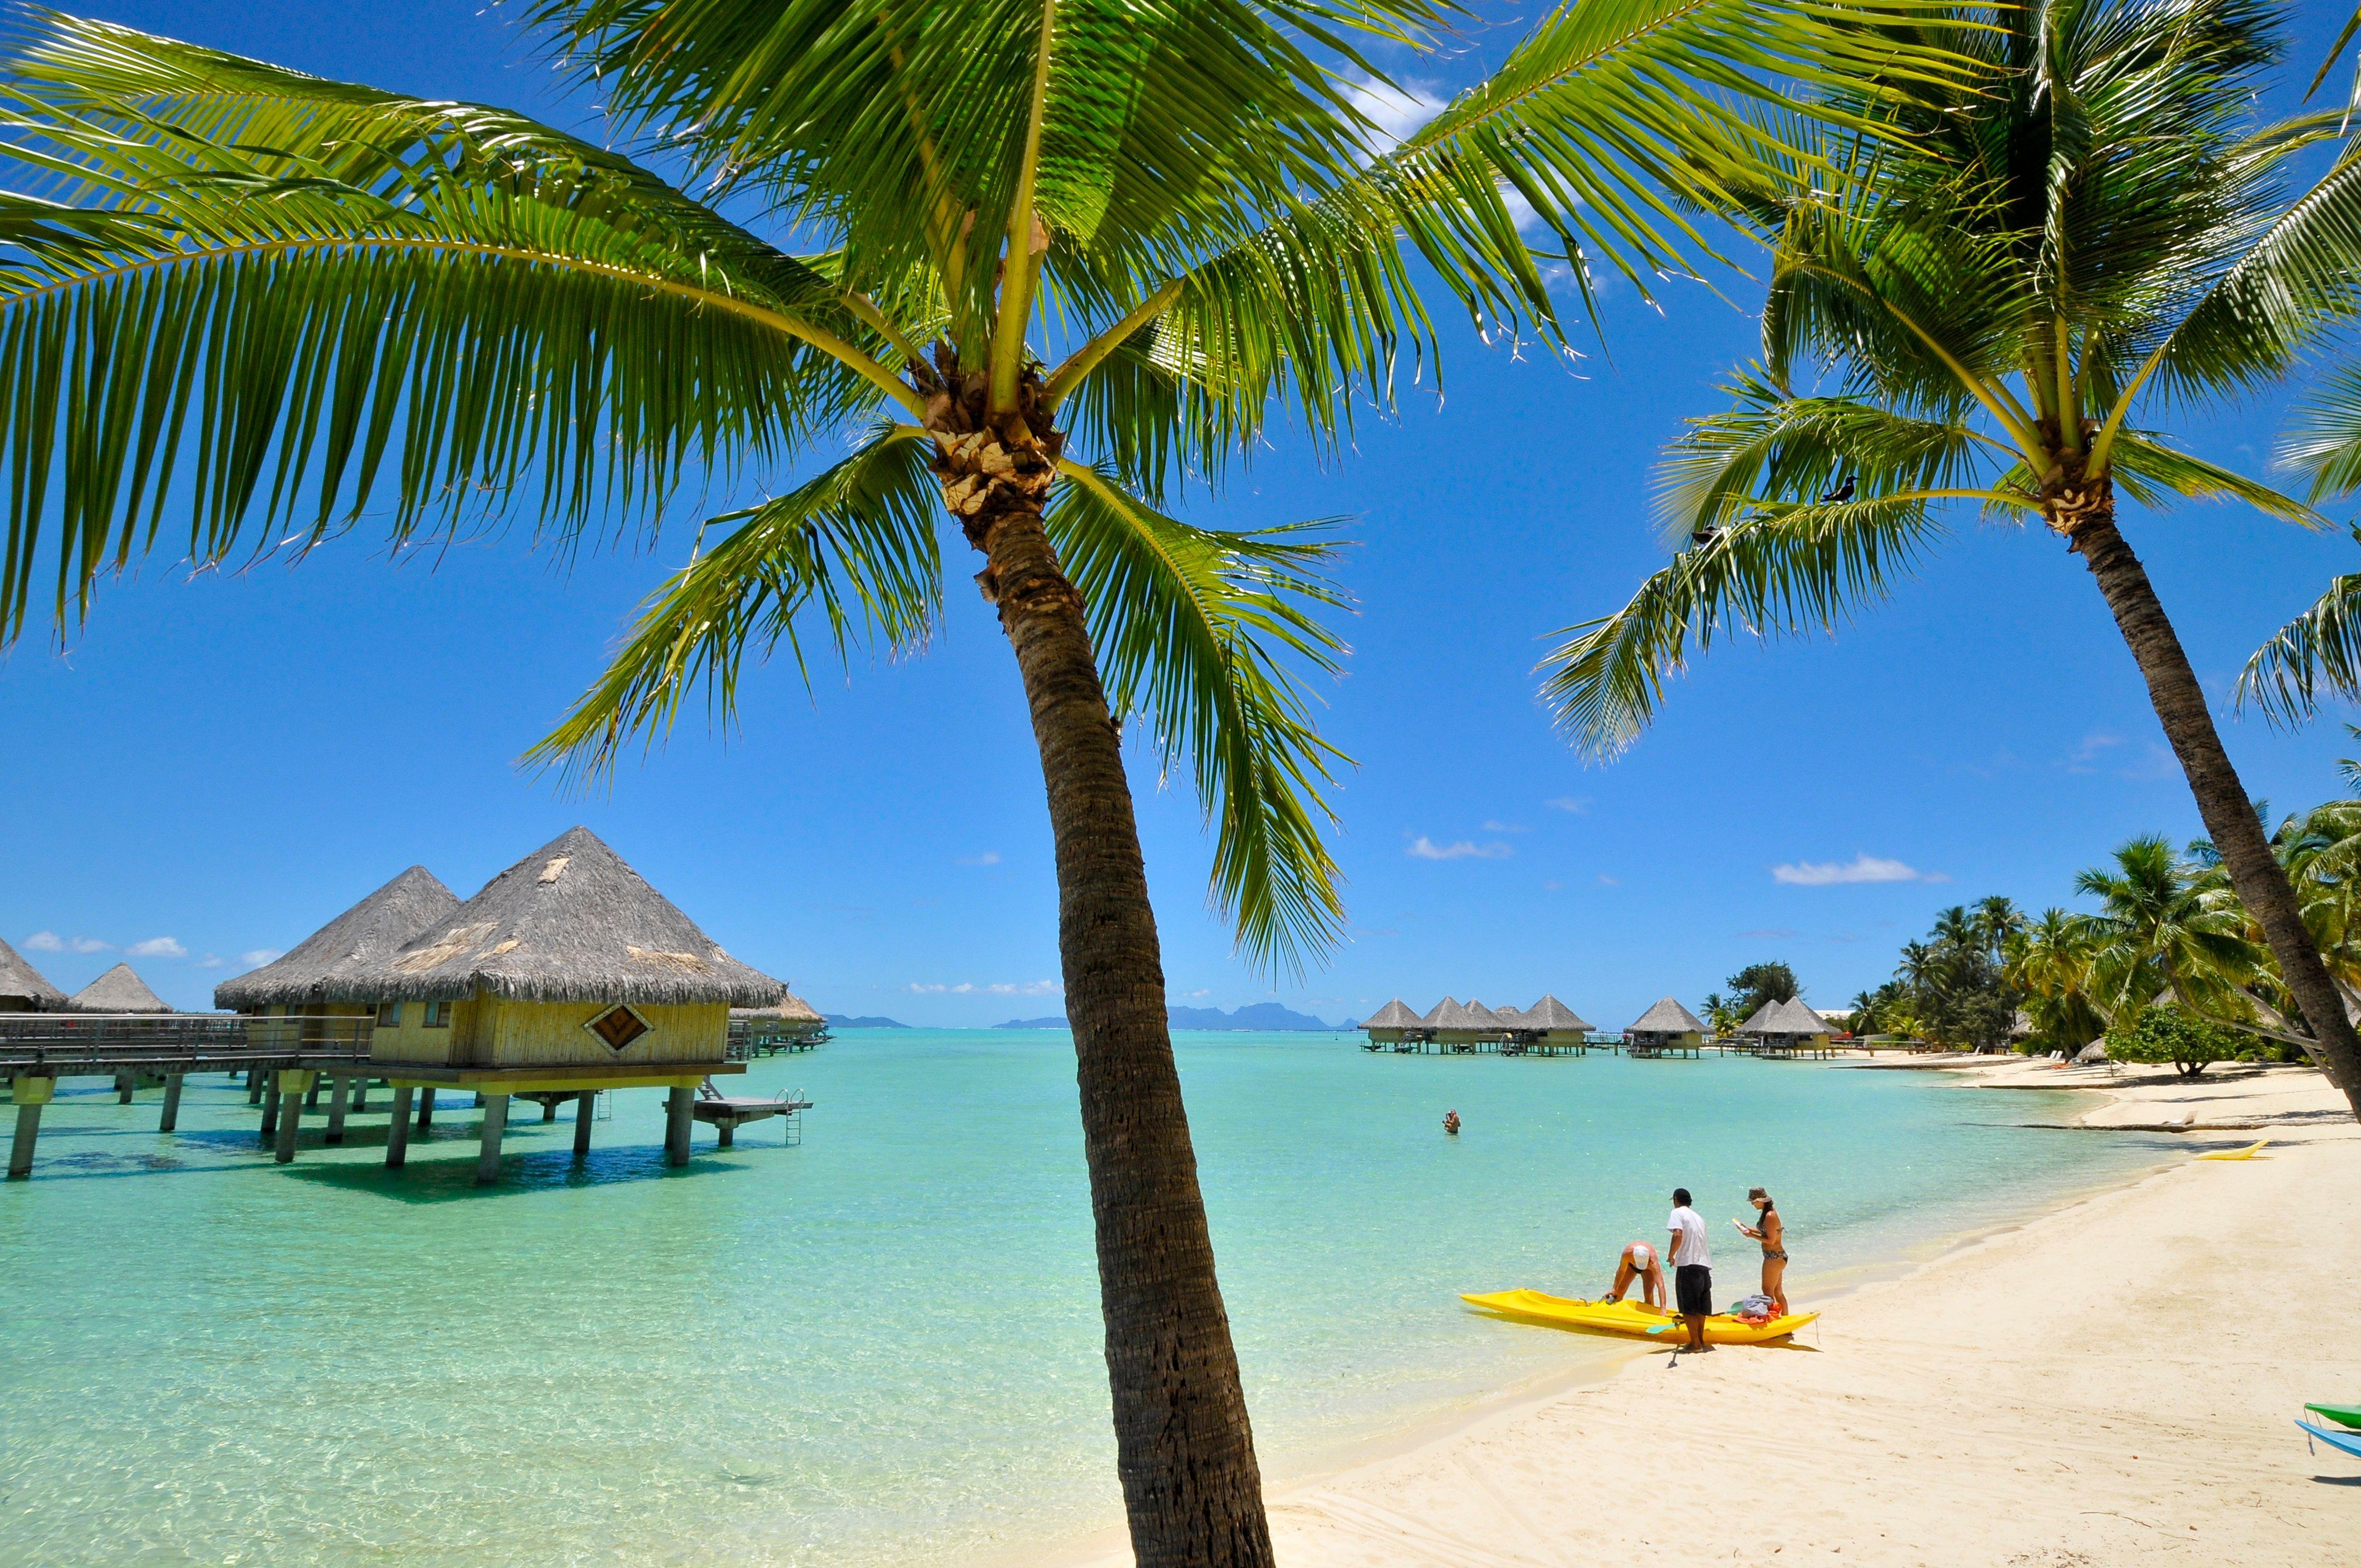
(1666, 1027)
(23, 988)
(1392, 1023)
(325, 973)
(794, 1024)
(567, 974)
(119, 990)
(1548, 1022)
(1787, 1027)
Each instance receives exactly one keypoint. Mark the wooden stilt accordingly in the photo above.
(583, 1107)
(360, 1096)
(729, 1132)
(171, 1117)
(254, 1077)
(270, 1107)
(312, 1095)
(549, 1110)
(496, 1120)
(426, 1107)
(31, 1094)
(124, 1084)
(397, 1132)
(292, 1089)
(676, 1126)
(337, 1103)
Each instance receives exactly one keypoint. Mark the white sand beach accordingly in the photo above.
(2111, 1383)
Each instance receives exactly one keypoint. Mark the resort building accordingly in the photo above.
(116, 991)
(1550, 1021)
(324, 975)
(1666, 1026)
(567, 974)
(22, 987)
(793, 1022)
(1391, 1022)
(1787, 1025)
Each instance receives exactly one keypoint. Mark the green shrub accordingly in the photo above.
(2181, 1037)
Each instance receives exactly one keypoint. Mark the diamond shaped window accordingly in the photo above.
(619, 1026)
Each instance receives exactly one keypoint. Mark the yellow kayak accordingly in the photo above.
(2249, 1152)
(1630, 1318)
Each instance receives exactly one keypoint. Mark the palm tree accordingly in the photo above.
(2049, 964)
(2159, 932)
(1973, 315)
(1058, 257)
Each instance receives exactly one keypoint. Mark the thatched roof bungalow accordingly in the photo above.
(23, 988)
(117, 990)
(1788, 1022)
(1667, 1023)
(1551, 1022)
(1391, 1021)
(567, 963)
(328, 970)
(792, 1019)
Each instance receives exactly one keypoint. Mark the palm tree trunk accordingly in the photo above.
(2222, 801)
(1185, 1449)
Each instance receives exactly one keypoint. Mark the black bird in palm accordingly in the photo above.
(1843, 492)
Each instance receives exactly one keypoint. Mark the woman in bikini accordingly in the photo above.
(1772, 1231)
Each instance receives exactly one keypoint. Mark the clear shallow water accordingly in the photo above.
(880, 1347)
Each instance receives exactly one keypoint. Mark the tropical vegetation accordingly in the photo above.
(1984, 316)
(1047, 263)
(1751, 989)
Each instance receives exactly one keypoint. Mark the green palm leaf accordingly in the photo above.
(854, 546)
(2321, 648)
(1194, 629)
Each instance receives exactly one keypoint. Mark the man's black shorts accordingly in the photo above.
(1693, 1290)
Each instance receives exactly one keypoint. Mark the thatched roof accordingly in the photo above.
(1549, 1013)
(1759, 1016)
(117, 990)
(1482, 1017)
(19, 977)
(1393, 1016)
(1789, 1017)
(1450, 1014)
(328, 964)
(569, 923)
(1668, 1018)
(792, 1009)
(1510, 1018)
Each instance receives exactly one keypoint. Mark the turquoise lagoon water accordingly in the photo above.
(881, 1347)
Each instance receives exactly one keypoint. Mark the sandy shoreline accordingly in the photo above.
(2084, 1389)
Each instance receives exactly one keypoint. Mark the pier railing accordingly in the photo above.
(49, 1045)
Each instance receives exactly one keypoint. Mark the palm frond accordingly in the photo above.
(289, 290)
(2152, 472)
(1784, 570)
(1195, 632)
(854, 547)
(2323, 444)
(2322, 647)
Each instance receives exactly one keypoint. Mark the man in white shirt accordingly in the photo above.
(1692, 1270)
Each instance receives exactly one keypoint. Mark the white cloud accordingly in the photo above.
(1861, 868)
(1605, 881)
(89, 945)
(1506, 828)
(211, 960)
(157, 947)
(997, 988)
(1577, 804)
(1397, 109)
(45, 942)
(989, 858)
(2085, 757)
(1203, 991)
(1425, 849)
(256, 957)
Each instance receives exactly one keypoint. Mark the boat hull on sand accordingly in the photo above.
(1634, 1318)
(2350, 1442)
(2343, 1414)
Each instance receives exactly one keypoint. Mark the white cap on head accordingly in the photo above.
(1642, 1254)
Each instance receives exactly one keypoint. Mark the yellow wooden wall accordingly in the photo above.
(509, 1033)
(411, 1040)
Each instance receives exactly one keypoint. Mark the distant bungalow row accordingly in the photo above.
(1550, 1027)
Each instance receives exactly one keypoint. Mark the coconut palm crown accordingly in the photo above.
(1048, 259)
(1977, 319)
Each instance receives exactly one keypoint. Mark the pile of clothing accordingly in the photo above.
(1755, 1311)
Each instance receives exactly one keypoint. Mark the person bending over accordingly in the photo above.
(1692, 1270)
(1639, 1262)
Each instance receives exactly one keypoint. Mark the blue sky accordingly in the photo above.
(214, 766)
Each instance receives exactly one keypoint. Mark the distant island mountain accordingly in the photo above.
(1263, 1016)
(843, 1021)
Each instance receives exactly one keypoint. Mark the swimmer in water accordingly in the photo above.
(1451, 1122)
